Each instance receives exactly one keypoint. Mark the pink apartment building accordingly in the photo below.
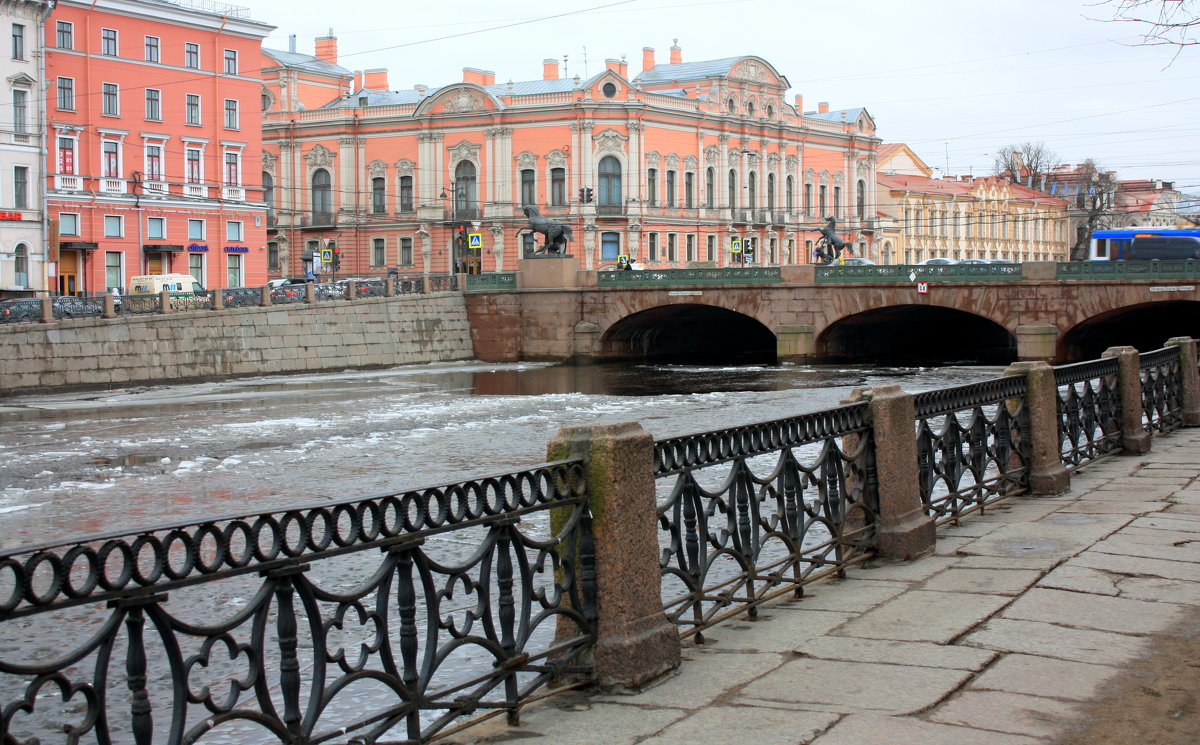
(154, 140)
(684, 162)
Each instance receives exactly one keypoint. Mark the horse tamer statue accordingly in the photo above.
(557, 234)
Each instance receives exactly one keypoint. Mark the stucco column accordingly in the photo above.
(347, 184)
(1047, 475)
(1037, 341)
(1191, 378)
(1134, 437)
(635, 643)
(905, 531)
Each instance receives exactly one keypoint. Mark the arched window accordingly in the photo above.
(609, 170)
(733, 188)
(21, 265)
(710, 177)
(789, 191)
(752, 188)
(770, 191)
(860, 199)
(378, 195)
(322, 195)
(268, 190)
(464, 190)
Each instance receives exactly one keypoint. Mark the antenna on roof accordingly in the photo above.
(565, 73)
(585, 62)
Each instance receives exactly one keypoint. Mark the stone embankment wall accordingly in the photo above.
(200, 345)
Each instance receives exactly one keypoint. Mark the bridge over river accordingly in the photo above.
(991, 313)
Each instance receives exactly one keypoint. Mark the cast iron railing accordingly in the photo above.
(973, 445)
(1161, 374)
(908, 273)
(443, 282)
(750, 513)
(241, 297)
(667, 277)
(1095, 270)
(385, 618)
(1089, 411)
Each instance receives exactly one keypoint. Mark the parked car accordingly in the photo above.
(938, 262)
(974, 261)
(855, 261)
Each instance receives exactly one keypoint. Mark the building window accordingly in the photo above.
(670, 188)
(66, 94)
(191, 55)
(406, 252)
(671, 254)
(610, 182)
(233, 168)
(378, 195)
(233, 270)
(652, 247)
(652, 186)
(114, 226)
(406, 193)
(710, 249)
(273, 256)
(231, 62)
(837, 201)
(733, 189)
(110, 158)
(808, 199)
(66, 155)
(20, 101)
(822, 200)
(322, 194)
(528, 245)
(111, 101)
(233, 230)
(689, 190)
(710, 187)
(152, 49)
(770, 191)
(192, 109)
(64, 35)
(464, 187)
(108, 42)
(691, 247)
(195, 230)
(268, 190)
(192, 165)
(68, 223)
(18, 41)
(752, 189)
(789, 194)
(558, 187)
(21, 265)
(154, 162)
(21, 187)
(610, 246)
(156, 227)
(113, 277)
(860, 199)
(231, 114)
(528, 188)
(378, 252)
(153, 105)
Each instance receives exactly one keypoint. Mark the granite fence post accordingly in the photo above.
(110, 306)
(636, 642)
(47, 310)
(389, 286)
(264, 296)
(1047, 474)
(905, 531)
(218, 298)
(1191, 378)
(164, 301)
(1134, 437)
(310, 292)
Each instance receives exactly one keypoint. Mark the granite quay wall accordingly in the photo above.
(200, 345)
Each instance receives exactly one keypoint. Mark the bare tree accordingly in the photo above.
(1027, 163)
(1161, 22)
(1094, 203)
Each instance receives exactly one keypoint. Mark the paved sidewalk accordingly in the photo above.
(1023, 614)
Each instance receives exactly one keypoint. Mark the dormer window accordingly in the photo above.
(609, 90)
(732, 106)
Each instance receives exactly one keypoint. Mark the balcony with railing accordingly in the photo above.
(610, 210)
(156, 188)
(196, 191)
(113, 186)
(317, 220)
(233, 193)
(66, 182)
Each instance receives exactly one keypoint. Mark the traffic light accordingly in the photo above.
(337, 258)
(587, 194)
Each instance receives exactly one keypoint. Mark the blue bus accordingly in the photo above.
(1117, 245)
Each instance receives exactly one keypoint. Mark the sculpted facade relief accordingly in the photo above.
(377, 169)
(464, 151)
(462, 100)
(557, 159)
(319, 157)
(712, 155)
(404, 167)
(610, 141)
(526, 160)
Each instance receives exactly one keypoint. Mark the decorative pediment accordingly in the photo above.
(377, 169)
(460, 100)
(464, 151)
(21, 80)
(754, 71)
(268, 162)
(690, 163)
(734, 156)
(319, 157)
(610, 141)
(791, 163)
(653, 159)
(672, 162)
(838, 179)
(557, 159)
(405, 167)
(712, 154)
(526, 160)
(773, 162)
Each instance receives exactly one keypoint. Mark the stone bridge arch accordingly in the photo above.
(914, 333)
(714, 331)
(1146, 326)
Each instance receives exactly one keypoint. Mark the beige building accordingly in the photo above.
(985, 218)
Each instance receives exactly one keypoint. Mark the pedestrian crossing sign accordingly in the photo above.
(326, 255)
(474, 240)
(735, 246)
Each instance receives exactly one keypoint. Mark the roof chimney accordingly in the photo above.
(376, 80)
(822, 107)
(421, 89)
(327, 48)
(613, 64)
(358, 81)
(292, 43)
(647, 58)
(549, 69)
(799, 104)
(676, 53)
(478, 77)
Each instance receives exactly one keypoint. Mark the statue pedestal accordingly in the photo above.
(547, 271)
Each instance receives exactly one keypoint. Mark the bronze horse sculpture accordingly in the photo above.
(557, 234)
(829, 248)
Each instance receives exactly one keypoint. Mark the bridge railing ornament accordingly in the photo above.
(1089, 411)
(670, 277)
(908, 273)
(1109, 270)
(1161, 376)
(751, 513)
(346, 620)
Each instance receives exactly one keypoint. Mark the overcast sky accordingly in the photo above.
(955, 79)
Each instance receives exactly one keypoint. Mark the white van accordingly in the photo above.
(152, 284)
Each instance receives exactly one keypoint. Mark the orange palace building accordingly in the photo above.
(153, 144)
(683, 162)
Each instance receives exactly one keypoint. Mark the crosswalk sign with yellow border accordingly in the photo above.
(474, 240)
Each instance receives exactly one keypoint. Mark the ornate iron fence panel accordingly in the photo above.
(670, 277)
(67, 306)
(1161, 373)
(138, 305)
(443, 282)
(750, 513)
(195, 302)
(906, 273)
(410, 285)
(369, 288)
(1173, 269)
(492, 281)
(21, 310)
(241, 297)
(1089, 411)
(380, 619)
(973, 445)
(330, 291)
(287, 294)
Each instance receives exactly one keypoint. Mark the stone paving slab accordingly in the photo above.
(923, 616)
(1082, 610)
(1116, 508)
(987, 581)
(1161, 590)
(1007, 712)
(1044, 676)
(1082, 579)
(853, 687)
(580, 724)
(1166, 522)
(776, 630)
(1135, 565)
(1050, 640)
(851, 595)
(912, 572)
(1156, 544)
(703, 677)
(1046, 541)
(876, 730)
(751, 724)
(916, 654)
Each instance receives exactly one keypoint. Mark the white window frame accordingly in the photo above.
(187, 175)
(58, 150)
(237, 155)
(193, 223)
(234, 231)
(188, 108)
(64, 30)
(191, 50)
(118, 221)
(154, 95)
(116, 42)
(234, 121)
(119, 166)
(110, 91)
(162, 224)
(230, 55)
(66, 103)
(152, 52)
(74, 218)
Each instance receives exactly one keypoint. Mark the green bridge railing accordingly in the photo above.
(492, 281)
(760, 275)
(1174, 269)
(837, 274)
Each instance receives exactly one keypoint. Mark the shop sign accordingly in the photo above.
(237, 249)
(11, 216)
(197, 247)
